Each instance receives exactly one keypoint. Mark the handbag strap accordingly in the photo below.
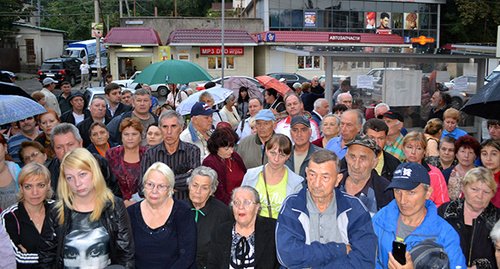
(267, 193)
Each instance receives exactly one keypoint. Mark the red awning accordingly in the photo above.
(131, 36)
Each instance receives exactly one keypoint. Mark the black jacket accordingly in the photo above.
(390, 165)
(119, 110)
(291, 164)
(22, 231)
(265, 245)
(480, 251)
(112, 183)
(212, 215)
(84, 129)
(114, 219)
(69, 118)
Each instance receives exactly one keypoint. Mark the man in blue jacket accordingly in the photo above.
(412, 218)
(322, 227)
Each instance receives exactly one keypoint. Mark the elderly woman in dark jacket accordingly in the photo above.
(473, 217)
(248, 242)
(225, 161)
(208, 212)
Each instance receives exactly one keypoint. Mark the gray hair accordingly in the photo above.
(329, 116)
(170, 114)
(359, 121)
(381, 105)
(318, 101)
(315, 77)
(342, 94)
(205, 171)
(324, 155)
(297, 85)
(165, 171)
(495, 233)
(64, 128)
(97, 97)
(252, 190)
(141, 91)
(206, 94)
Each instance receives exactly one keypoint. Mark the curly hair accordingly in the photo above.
(468, 141)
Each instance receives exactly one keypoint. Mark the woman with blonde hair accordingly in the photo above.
(432, 132)
(451, 117)
(414, 147)
(87, 218)
(23, 221)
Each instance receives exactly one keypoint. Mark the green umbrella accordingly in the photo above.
(172, 71)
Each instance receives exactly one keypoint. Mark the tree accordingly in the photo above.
(469, 21)
(10, 10)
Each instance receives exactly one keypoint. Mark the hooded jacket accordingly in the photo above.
(385, 223)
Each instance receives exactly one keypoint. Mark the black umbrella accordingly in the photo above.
(486, 102)
(12, 89)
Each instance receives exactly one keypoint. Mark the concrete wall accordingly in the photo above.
(165, 25)
(47, 45)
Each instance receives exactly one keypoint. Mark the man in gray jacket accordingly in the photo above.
(300, 130)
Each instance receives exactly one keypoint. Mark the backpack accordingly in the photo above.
(429, 255)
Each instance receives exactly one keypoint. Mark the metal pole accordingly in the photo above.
(121, 11)
(222, 47)
(97, 40)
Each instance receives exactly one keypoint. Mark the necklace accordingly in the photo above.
(228, 164)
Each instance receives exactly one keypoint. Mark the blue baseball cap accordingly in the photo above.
(265, 115)
(408, 176)
(200, 108)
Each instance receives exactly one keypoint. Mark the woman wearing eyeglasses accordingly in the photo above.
(164, 228)
(274, 181)
(248, 242)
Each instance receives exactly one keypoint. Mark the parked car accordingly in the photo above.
(291, 78)
(90, 93)
(162, 89)
(61, 69)
(471, 84)
(493, 75)
(337, 79)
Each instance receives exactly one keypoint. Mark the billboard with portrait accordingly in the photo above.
(411, 21)
(370, 20)
(384, 20)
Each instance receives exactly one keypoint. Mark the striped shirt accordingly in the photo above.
(182, 161)
(14, 143)
(396, 148)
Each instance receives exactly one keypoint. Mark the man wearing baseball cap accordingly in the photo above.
(412, 218)
(51, 100)
(300, 130)
(394, 144)
(252, 148)
(360, 178)
(199, 129)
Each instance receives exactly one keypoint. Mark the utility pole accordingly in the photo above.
(222, 47)
(97, 40)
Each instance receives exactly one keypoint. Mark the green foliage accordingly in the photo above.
(469, 21)
(8, 7)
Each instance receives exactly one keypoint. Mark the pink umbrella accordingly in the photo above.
(235, 83)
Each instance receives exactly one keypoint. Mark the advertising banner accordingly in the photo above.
(209, 51)
(310, 19)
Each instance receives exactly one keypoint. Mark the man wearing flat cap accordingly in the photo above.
(78, 111)
(394, 143)
(412, 219)
(199, 130)
(252, 148)
(360, 178)
(51, 100)
(300, 130)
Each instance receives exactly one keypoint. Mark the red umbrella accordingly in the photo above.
(269, 82)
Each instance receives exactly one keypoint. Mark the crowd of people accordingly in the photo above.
(283, 181)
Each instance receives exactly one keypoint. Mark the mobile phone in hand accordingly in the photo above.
(399, 251)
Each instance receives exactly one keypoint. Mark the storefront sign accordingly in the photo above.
(310, 18)
(344, 38)
(217, 51)
(164, 53)
(422, 40)
(97, 29)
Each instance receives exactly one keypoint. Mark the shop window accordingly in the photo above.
(215, 63)
(363, 64)
(308, 62)
(30, 50)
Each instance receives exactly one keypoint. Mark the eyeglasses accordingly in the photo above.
(151, 186)
(29, 118)
(32, 156)
(245, 203)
